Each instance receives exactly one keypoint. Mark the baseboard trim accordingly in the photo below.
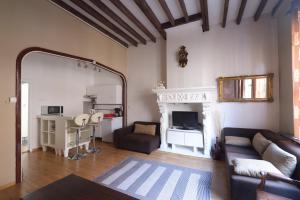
(2, 187)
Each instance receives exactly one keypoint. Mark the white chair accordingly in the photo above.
(95, 121)
(80, 121)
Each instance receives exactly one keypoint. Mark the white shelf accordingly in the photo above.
(56, 133)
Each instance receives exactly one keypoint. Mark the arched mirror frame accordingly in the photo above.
(20, 57)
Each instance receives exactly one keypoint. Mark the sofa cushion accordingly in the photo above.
(253, 168)
(293, 148)
(260, 143)
(281, 159)
(144, 129)
(237, 141)
(239, 149)
(230, 156)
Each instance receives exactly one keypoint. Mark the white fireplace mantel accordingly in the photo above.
(204, 95)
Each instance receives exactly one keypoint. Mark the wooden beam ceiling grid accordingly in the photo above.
(260, 9)
(241, 11)
(204, 12)
(276, 7)
(118, 4)
(91, 11)
(145, 8)
(167, 11)
(87, 20)
(183, 9)
(117, 21)
(103, 7)
(225, 12)
(181, 21)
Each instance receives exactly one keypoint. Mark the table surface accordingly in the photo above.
(262, 195)
(73, 187)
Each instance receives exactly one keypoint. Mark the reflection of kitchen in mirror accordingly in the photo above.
(254, 88)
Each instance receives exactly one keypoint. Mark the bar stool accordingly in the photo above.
(80, 122)
(95, 120)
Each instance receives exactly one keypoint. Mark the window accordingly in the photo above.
(296, 72)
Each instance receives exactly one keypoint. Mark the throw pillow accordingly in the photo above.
(238, 141)
(253, 167)
(281, 159)
(144, 129)
(260, 143)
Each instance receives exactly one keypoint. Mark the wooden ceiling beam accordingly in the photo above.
(184, 11)
(167, 11)
(225, 12)
(241, 11)
(181, 21)
(133, 19)
(118, 19)
(91, 11)
(145, 8)
(204, 12)
(74, 12)
(260, 9)
(278, 4)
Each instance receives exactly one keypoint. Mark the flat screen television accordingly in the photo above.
(185, 120)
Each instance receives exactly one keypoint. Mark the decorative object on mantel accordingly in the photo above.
(161, 85)
(182, 57)
(205, 97)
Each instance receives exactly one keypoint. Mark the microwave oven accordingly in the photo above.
(52, 110)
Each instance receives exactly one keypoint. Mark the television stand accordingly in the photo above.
(189, 142)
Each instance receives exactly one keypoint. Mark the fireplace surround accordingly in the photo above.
(205, 97)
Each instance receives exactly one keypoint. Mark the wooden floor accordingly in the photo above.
(41, 168)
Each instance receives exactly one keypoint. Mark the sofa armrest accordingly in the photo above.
(276, 177)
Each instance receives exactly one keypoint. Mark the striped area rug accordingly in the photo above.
(150, 180)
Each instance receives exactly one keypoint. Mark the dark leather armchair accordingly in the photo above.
(124, 138)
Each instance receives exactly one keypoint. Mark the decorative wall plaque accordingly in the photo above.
(182, 57)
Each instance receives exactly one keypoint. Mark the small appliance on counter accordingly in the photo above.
(52, 110)
(118, 112)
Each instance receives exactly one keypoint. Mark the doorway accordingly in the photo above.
(87, 62)
(25, 117)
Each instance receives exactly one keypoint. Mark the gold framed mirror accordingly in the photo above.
(254, 88)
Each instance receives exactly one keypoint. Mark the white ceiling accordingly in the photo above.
(215, 12)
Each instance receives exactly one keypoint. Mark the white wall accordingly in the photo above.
(147, 68)
(247, 49)
(57, 80)
(285, 71)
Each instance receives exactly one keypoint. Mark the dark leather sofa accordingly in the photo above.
(243, 187)
(124, 138)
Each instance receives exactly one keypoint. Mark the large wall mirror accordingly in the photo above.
(255, 88)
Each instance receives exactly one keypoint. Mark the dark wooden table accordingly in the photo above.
(73, 187)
